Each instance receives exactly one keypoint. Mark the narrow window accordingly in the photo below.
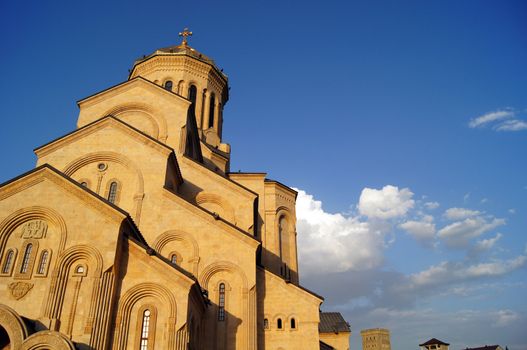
(279, 323)
(112, 194)
(192, 93)
(266, 323)
(173, 259)
(282, 225)
(168, 85)
(145, 328)
(211, 110)
(221, 303)
(43, 262)
(27, 255)
(8, 261)
(293, 323)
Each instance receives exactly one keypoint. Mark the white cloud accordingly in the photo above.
(458, 234)
(505, 318)
(335, 242)
(512, 125)
(490, 117)
(447, 273)
(501, 120)
(512, 211)
(431, 205)
(459, 213)
(423, 230)
(486, 244)
(387, 203)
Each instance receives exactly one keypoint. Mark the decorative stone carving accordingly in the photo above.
(19, 289)
(34, 229)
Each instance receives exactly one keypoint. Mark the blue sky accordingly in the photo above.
(369, 108)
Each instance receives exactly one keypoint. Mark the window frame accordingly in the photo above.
(222, 296)
(152, 326)
(47, 263)
(30, 261)
(168, 81)
(117, 191)
(12, 263)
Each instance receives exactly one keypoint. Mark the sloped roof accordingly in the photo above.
(332, 322)
(486, 347)
(324, 346)
(434, 341)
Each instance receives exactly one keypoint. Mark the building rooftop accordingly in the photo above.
(434, 341)
(324, 346)
(333, 322)
(486, 347)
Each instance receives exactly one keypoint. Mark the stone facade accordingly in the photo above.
(375, 339)
(132, 233)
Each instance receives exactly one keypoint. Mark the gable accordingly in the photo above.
(51, 213)
(148, 107)
(110, 151)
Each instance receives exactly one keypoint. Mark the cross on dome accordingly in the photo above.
(185, 33)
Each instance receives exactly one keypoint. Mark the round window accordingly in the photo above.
(101, 166)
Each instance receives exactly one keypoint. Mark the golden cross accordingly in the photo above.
(185, 33)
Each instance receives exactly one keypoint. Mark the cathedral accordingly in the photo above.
(132, 233)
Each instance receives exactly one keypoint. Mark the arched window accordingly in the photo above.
(112, 193)
(84, 184)
(192, 93)
(145, 329)
(282, 228)
(279, 323)
(8, 261)
(25, 261)
(293, 323)
(42, 264)
(266, 323)
(168, 85)
(221, 303)
(173, 259)
(211, 110)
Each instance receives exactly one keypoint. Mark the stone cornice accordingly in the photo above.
(296, 288)
(125, 86)
(46, 172)
(178, 62)
(108, 121)
(214, 219)
(162, 265)
(279, 185)
(207, 172)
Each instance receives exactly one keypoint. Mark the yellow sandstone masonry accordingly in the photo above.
(132, 233)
